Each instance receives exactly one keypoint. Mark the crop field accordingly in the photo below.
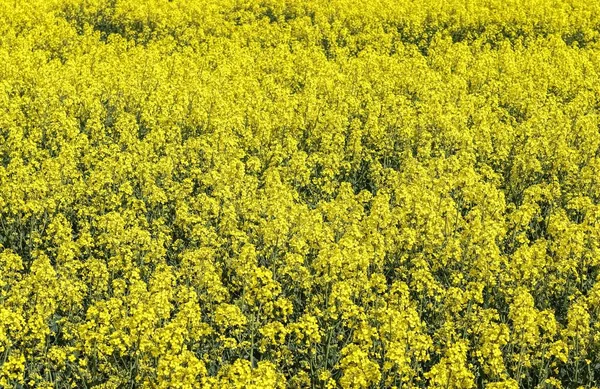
(300, 194)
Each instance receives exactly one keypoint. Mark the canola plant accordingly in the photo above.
(303, 194)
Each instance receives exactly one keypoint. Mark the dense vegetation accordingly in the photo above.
(285, 193)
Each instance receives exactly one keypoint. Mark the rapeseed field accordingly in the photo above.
(300, 194)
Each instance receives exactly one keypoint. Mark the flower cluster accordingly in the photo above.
(286, 193)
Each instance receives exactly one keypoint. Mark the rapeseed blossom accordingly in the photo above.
(286, 193)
